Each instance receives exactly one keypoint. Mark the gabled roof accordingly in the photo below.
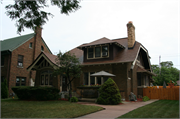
(13, 43)
(43, 55)
(101, 41)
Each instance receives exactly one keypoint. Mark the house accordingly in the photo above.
(17, 54)
(124, 57)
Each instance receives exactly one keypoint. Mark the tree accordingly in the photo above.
(28, 14)
(109, 93)
(69, 67)
(166, 73)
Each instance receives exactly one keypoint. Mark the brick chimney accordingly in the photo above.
(131, 34)
(37, 41)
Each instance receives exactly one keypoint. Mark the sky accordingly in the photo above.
(157, 26)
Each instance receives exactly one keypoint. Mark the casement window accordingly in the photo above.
(20, 60)
(90, 52)
(2, 60)
(30, 45)
(20, 81)
(90, 80)
(98, 52)
(42, 48)
(104, 51)
(46, 77)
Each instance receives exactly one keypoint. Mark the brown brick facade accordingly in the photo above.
(29, 54)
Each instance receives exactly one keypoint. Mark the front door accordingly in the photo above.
(64, 82)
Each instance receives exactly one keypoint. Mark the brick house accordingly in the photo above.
(17, 54)
(124, 57)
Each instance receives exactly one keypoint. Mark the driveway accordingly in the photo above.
(115, 110)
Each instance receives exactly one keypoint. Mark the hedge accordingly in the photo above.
(36, 93)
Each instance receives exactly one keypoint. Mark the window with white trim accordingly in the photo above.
(20, 60)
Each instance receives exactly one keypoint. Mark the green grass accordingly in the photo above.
(158, 109)
(14, 108)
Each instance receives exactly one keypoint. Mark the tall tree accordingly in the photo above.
(166, 73)
(29, 14)
(69, 67)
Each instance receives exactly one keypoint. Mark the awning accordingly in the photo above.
(102, 74)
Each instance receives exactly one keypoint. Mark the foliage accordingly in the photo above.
(14, 108)
(70, 68)
(36, 93)
(166, 73)
(74, 99)
(145, 98)
(4, 89)
(29, 14)
(109, 93)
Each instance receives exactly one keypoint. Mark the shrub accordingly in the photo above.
(74, 99)
(109, 93)
(36, 93)
(145, 98)
(4, 89)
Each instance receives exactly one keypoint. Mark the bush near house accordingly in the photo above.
(4, 89)
(36, 93)
(109, 93)
(74, 99)
(145, 98)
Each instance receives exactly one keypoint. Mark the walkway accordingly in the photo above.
(115, 110)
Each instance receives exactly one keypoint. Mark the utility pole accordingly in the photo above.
(159, 64)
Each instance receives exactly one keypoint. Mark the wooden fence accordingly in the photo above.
(162, 93)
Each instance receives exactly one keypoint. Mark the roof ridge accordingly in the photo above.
(17, 37)
(120, 38)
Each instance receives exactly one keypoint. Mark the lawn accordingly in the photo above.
(158, 109)
(14, 108)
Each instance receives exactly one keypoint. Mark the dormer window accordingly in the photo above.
(90, 52)
(104, 51)
(98, 52)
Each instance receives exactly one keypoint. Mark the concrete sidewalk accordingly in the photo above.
(115, 110)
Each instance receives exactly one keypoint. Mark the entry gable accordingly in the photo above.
(43, 60)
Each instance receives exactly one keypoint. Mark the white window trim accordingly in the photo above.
(101, 52)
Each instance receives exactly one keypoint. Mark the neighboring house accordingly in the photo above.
(17, 54)
(124, 57)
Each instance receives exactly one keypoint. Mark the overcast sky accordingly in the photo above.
(156, 22)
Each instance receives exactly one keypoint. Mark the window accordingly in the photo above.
(92, 79)
(20, 60)
(139, 79)
(20, 81)
(2, 60)
(46, 77)
(86, 78)
(42, 48)
(30, 45)
(104, 51)
(90, 52)
(97, 51)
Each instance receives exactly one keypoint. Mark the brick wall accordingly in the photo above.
(28, 58)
